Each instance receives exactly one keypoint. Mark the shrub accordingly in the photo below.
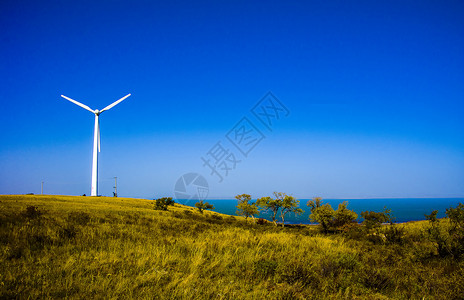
(321, 213)
(330, 219)
(343, 216)
(32, 212)
(37, 241)
(374, 219)
(261, 221)
(394, 234)
(67, 233)
(295, 273)
(456, 216)
(376, 279)
(79, 217)
(353, 231)
(216, 217)
(447, 237)
(265, 268)
(163, 203)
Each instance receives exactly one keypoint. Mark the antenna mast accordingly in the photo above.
(115, 193)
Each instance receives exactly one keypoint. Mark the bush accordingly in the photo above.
(456, 216)
(394, 234)
(343, 216)
(216, 217)
(79, 217)
(67, 233)
(447, 237)
(328, 218)
(374, 219)
(321, 213)
(261, 221)
(32, 212)
(376, 238)
(265, 268)
(353, 231)
(376, 279)
(163, 203)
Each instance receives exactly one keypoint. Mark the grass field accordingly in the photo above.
(87, 247)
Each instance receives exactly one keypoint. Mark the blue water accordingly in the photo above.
(403, 209)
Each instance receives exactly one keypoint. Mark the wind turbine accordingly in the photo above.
(96, 139)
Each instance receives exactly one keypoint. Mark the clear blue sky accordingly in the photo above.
(374, 89)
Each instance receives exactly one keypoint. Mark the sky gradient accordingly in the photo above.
(374, 90)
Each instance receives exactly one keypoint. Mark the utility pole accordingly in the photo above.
(42, 189)
(115, 193)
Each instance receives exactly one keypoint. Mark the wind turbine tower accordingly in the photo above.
(96, 139)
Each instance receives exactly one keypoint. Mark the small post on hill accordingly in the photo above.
(42, 188)
(115, 193)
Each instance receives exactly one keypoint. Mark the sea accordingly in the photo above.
(403, 209)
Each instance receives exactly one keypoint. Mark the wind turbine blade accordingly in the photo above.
(78, 103)
(114, 103)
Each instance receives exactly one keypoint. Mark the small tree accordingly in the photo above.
(289, 204)
(245, 208)
(343, 215)
(321, 213)
(163, 203)
(456, 216)
(272, 205)
(374, 219)
(329, 218)
(203, 205)
(456, 230)
(448, 236)
(435, 235)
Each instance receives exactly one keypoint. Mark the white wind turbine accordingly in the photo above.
(96, 139)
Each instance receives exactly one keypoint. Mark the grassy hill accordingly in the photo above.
(86, 247)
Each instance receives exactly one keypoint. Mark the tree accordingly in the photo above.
(435, 235)
(288, 204)
(456, 216)
(448, 236)
(163, 203)
(282, 202)
(456, 230)
(245, 208)
(203, 205)
(374, 219)
(315, 203)
(329, 218)
(343, 215)
(321, 213)
(272, 205)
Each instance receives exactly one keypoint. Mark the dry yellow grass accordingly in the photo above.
(86, 247)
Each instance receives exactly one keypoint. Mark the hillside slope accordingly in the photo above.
(86, 247)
